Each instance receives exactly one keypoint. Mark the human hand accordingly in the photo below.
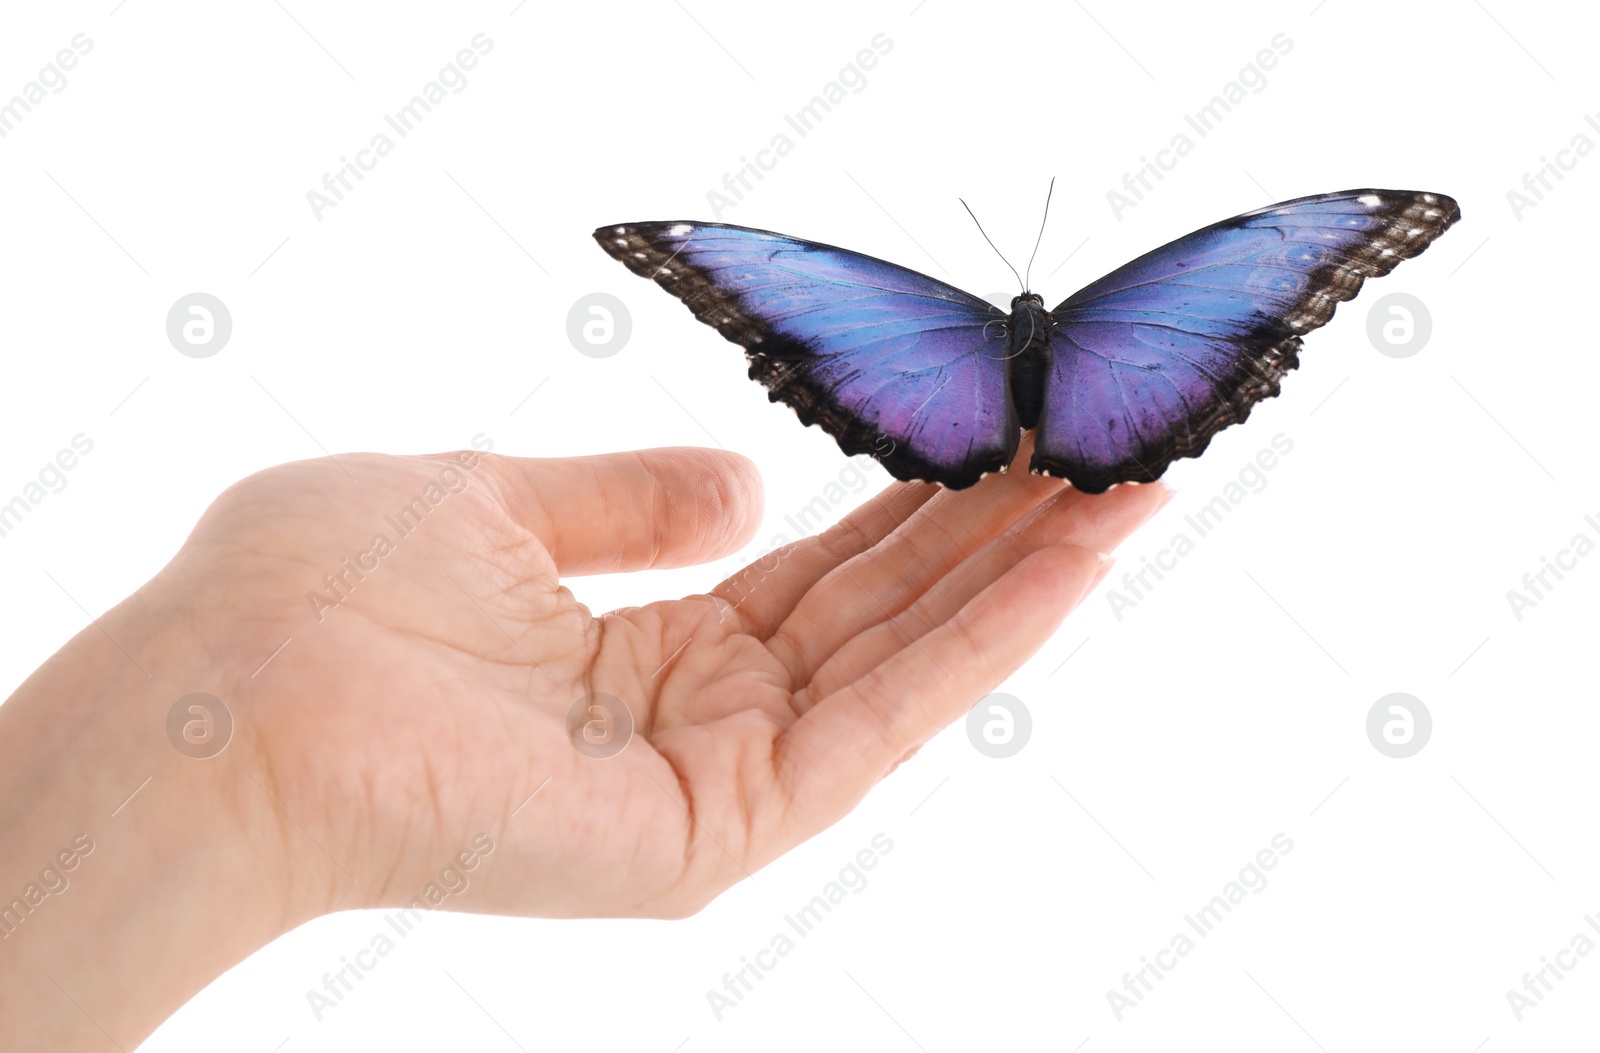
(423, 700)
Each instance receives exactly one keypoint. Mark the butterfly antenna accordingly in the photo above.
(986, 237)
(1040, 238)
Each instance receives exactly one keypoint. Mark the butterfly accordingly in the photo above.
(1118, 380)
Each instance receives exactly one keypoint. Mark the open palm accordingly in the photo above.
(439, 689)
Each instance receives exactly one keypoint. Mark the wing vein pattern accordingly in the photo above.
(1151, 361)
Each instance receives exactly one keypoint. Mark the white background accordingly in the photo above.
(1228, 706)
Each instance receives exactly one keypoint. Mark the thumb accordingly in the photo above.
(638, 510)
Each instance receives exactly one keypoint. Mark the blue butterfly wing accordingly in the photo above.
(1152, 360)
(888, 361)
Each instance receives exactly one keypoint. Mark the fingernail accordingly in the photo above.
(1167, 494)
(1105, 562)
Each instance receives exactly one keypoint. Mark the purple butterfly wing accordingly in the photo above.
(888, 361)
(1151, 361)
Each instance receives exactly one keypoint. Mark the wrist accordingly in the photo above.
(136, 868)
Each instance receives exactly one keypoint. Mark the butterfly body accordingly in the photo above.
(1028, 351)
(1136, 369)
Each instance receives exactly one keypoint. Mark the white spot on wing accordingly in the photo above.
(679, 230)
(1370, 200)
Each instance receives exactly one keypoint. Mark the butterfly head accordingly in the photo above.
(1026, 297)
